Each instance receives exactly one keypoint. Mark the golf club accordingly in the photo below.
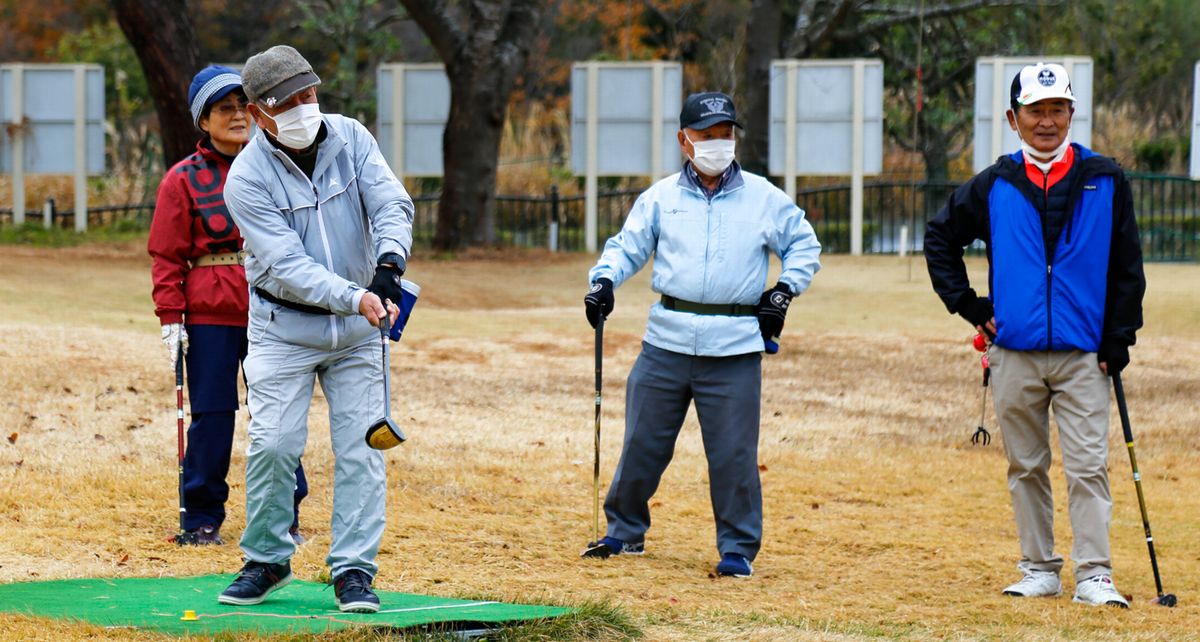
(982, 436)
(182, 538)
(384, 433)
(1162, 600)
(594, 548)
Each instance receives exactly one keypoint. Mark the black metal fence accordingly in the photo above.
(894, 215)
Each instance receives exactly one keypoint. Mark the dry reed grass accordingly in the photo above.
(881, 519)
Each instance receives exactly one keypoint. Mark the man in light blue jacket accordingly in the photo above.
(328, 229)
(711, 229)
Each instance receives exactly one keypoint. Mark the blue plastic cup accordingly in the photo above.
(408, 298)
(771, 346)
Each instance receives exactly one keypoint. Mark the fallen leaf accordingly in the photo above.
(124, 558)
(12, 439)
(815, 505)
(131, 389)
(18, 463)
(98, 437)
(762, 468)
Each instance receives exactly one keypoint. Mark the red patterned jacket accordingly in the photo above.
(191, 220)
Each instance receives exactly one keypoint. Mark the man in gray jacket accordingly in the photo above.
(328, 228)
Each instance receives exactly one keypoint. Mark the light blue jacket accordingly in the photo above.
(711, 252)
(317, 241)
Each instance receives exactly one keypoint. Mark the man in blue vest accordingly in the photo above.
(711, 229)
(1065, 288)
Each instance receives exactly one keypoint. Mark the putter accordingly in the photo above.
(594, 547)
(384, 433)
(182, 538)
(982, 436)
(1169, 599)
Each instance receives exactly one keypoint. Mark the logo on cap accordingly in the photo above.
(1047, 78)
(270, 102)
(715, 104)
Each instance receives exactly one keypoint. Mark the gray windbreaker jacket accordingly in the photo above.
(316, 242)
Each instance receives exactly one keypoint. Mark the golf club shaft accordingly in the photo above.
(1119, 390)
(387, 369)
(596, 459)
(179, 429)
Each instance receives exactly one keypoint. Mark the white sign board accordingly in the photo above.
(818, 99)
(827, 120)
(1195, 160)
(413, 106)
(993, 136)
(624, 119)
(628, 118)
(53, 123)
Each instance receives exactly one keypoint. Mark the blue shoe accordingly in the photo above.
(255, 582)
(734, 565)
(609, 546)
(353, 594)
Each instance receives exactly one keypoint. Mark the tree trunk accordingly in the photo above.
(762, 46)
(484, 45)
(161, 34)
(470, 152)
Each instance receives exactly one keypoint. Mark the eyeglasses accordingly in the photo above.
(227, 110)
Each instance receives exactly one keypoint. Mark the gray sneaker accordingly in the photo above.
(1036, 584)
(1099, 590)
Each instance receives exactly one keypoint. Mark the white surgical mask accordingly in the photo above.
(1035, 157)
(712, 157)
(297, 126)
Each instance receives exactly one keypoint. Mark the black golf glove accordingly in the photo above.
(1114, 354)
(386, 283)
(977, 311)
(772, 309)
(599, 301)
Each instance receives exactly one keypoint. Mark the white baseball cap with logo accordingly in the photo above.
(1035, 83)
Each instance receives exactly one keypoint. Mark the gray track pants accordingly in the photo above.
(727, 392)
(279, 379)
(1026, 385)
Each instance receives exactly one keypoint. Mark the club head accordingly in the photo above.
(981, 436)
(596, 549)
(1169, 600)
(384, 434)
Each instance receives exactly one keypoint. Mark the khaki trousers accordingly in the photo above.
(1025, 386)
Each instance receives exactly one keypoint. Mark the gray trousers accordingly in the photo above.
(727, 393)
(1026, 386)
(279, 381)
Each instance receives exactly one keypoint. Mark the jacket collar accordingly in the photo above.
(730, 180)
(327, 149)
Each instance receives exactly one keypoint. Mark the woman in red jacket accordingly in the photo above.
(201, 296)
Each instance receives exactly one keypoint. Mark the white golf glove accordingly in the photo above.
(173, 336)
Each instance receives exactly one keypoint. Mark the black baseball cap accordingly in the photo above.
(703, 110)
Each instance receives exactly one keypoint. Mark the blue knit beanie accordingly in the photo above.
(211, 84)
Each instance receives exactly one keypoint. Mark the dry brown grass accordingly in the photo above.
(881, 520)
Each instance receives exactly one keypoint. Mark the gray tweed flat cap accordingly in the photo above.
(274, 75)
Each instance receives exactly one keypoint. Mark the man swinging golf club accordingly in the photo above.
(321, 213)
(1065, 302)
(711, 228)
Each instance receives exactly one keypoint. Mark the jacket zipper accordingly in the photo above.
(328, 259)
(1049, 259)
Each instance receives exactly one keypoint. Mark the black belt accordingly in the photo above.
(723, 309)
(291, 305)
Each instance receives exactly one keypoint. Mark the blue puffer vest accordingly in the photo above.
(1055, 305)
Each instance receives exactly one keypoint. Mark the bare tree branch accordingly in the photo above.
(435, 19)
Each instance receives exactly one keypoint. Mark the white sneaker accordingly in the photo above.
(1097, 590)
(1036, 584)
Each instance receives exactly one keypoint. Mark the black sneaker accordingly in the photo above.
(255, 582)
(207, 535)
(352, 591)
